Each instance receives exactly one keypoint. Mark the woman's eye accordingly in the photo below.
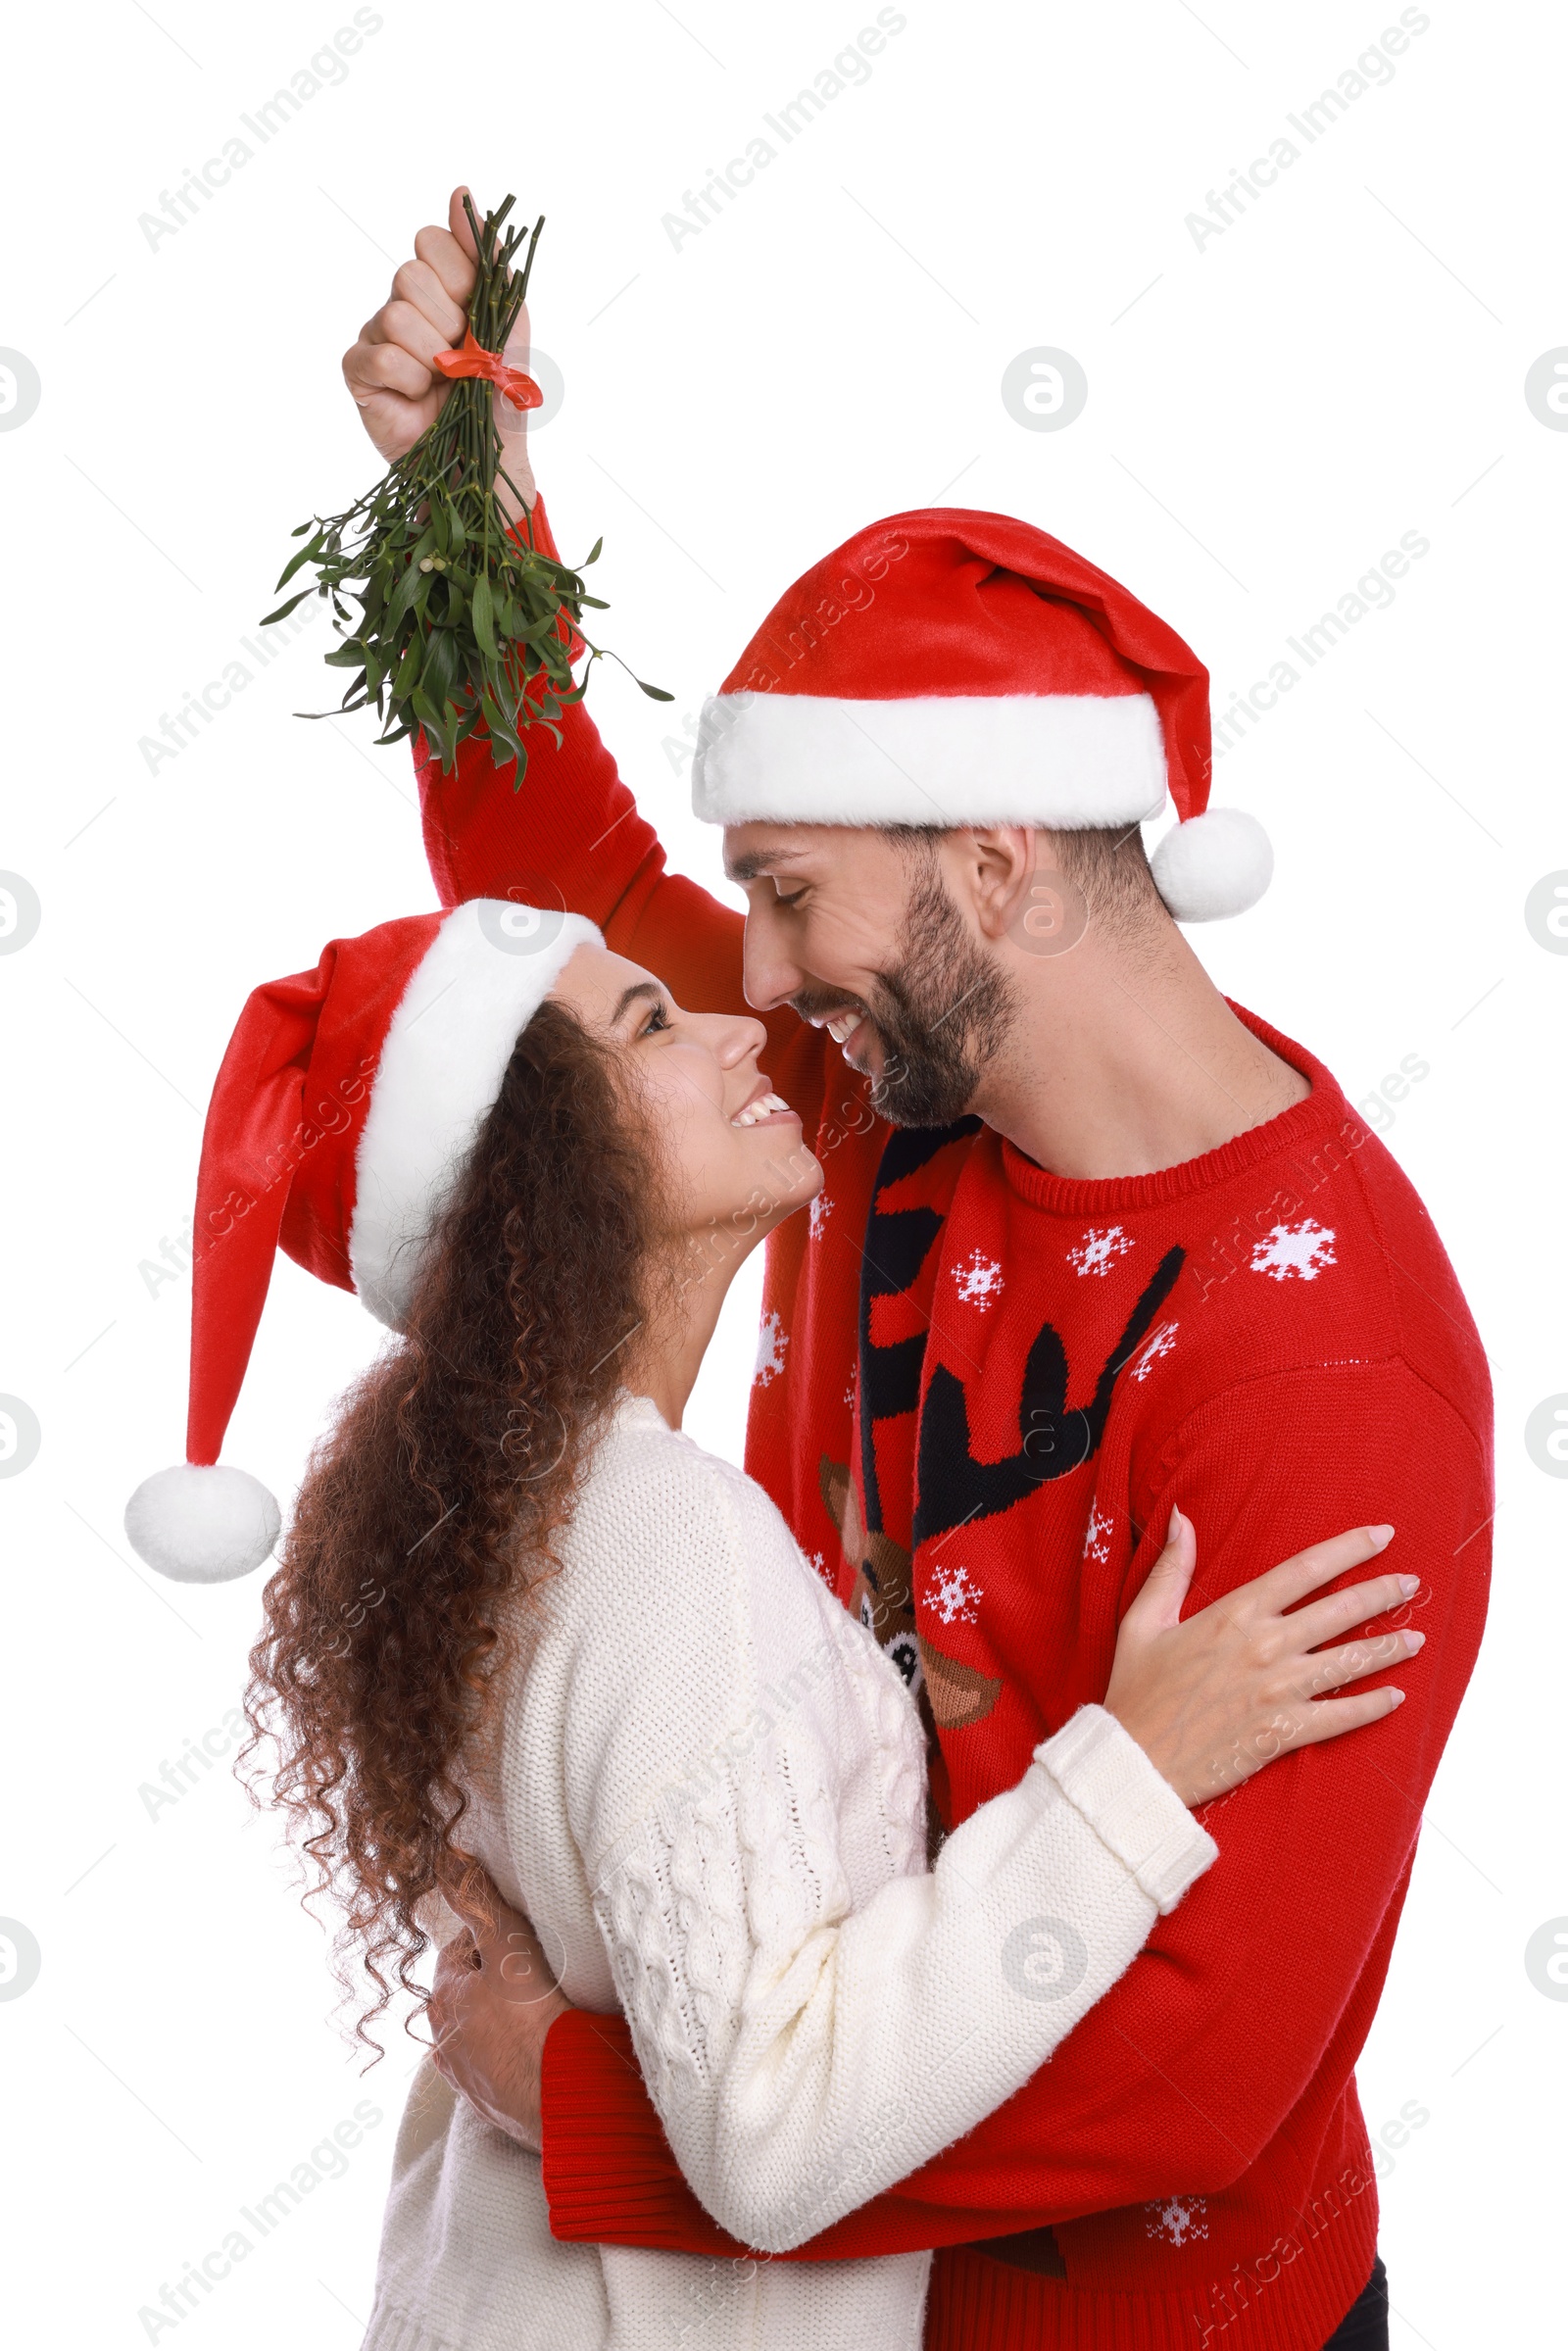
(656, 1019)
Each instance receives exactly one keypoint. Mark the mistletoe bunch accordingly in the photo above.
(463, 623)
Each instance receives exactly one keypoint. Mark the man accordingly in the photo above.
(1092, 1242)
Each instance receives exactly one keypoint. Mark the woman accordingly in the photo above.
(521, 1625)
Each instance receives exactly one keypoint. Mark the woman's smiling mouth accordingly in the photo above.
(760, 1109)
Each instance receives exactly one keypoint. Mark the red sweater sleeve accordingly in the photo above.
(1265, 1981)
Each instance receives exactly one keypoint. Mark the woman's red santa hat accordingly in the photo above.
(347, 1102)
(946, 669)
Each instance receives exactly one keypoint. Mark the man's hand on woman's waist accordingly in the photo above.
(495, 1998)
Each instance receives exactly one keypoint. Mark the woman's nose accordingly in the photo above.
(736, 1039)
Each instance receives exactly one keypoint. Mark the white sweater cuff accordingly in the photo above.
(1104, 1774)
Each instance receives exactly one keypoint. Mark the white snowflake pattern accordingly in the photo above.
(817, 1214)
(771, 1341)
(953, 1597)
(1176, 2219)
(1097, 1535)
(1163, 1339)
(979, 1280)
(849, 1395)
(1098, 1250)
(1300, 1249)
(818, 1561)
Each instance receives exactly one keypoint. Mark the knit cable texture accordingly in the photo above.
(709, 1794)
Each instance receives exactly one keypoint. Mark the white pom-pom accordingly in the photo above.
(1215, 865)
(202, 1526)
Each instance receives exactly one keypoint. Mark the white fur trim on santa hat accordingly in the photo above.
(1068, 761)
(201, 1525)
(1215, 865)
(484, 976)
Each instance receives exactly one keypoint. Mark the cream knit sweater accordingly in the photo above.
(706, 1789)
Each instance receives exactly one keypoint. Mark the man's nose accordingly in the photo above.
(769, 975)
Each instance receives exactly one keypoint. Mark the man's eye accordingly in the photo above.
(792, 901)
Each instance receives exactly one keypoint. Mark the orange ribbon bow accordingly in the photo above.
(475, 359)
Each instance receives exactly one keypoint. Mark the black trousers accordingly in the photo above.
(1365, 2325)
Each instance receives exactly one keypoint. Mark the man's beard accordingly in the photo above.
(942, 1014)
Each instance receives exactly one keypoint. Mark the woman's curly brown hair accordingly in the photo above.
(438, 1493)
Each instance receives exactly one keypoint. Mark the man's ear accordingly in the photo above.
(1001, 860)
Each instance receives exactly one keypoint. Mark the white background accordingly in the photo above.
(1266, 414)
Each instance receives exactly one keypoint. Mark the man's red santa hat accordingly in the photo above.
(945, 668)
(347, 1102)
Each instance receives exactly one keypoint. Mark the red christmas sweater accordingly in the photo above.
(979, 1390)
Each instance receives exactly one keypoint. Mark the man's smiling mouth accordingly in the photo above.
(839, 1025)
